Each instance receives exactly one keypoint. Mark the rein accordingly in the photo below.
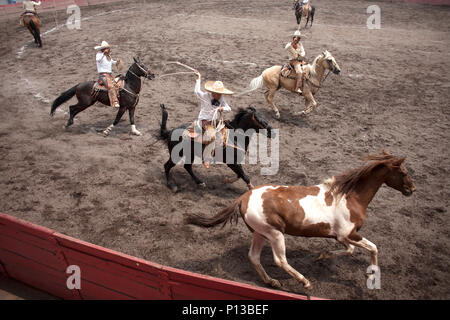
(320, 84)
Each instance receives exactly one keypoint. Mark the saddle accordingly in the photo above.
(288, 71)
(100, 84)
(206, 135)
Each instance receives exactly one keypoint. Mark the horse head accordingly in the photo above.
(250, 119)
(399, 178)
(141, 70)
(328, 62)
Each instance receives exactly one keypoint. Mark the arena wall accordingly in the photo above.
(39, 257)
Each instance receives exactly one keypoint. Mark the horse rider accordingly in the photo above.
(212, 102)
(30, 7)
(104, 69)
(296, 54)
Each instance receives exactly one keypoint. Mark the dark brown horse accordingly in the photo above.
(31, 21)
(307, 11)
(246, 121)
(335, 209)
(128, 96)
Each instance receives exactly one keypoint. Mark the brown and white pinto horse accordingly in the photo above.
(334, 209)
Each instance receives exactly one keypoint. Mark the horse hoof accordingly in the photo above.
(277, 115)
(105, 133)
(136, 133)
(250, 186)
(321, 257)
(275, 283)
(202, 185)
(308, 285)
(174, 189)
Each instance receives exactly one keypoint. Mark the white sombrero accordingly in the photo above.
(297, 33)
(104, 45)
(217, 87)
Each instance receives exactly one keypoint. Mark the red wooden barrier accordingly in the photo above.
(39, 257)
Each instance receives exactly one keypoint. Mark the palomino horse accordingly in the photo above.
(31, 21)
(306, 11)
(128, 96)
(248, 120)
(334, 209)
(273, 80)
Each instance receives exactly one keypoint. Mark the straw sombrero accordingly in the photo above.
(104, 45)
(217, 87)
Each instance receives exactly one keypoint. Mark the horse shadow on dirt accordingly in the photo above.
(234, 265)
(213, 180)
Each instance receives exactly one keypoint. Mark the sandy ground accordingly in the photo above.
(393, 93)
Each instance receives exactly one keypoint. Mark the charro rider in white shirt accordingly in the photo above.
(30, 7)
(211, 102)
(296, 54)
(104, 69)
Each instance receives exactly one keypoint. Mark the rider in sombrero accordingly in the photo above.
(296, 54)
(211, 102)
(104, 68)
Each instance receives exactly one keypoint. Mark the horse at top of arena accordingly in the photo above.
(245, 123)
(31, 21)
(334, 209)
(273, 79)
(87, 95)
(305, 10)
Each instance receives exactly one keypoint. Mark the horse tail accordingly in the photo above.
(65, 96)
(313, 10)
(164, 133)
(229, 214)
(256, 83)
(33, 27)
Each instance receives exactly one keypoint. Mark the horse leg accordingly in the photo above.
(349, 250)
(116, 121)
(369, 246)
(310, 102)
(269, 94)
(74, 110)
(277, 242)
(188, 168)
(254, 255)
(167, 167)
(133, 127)
(237, 168)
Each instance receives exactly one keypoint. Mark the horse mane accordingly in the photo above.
(241, 112)
(347, 182)
(312, 69)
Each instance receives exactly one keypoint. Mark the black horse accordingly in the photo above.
(128, 96)
(300, 11)
(245, 119)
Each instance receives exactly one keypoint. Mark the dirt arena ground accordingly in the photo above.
(393, 93)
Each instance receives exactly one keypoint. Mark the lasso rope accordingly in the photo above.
(171, 74)
(181, 64)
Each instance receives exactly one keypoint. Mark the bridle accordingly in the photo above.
(146, 73)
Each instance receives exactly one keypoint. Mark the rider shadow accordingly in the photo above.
(214, 183)
(235, 265)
